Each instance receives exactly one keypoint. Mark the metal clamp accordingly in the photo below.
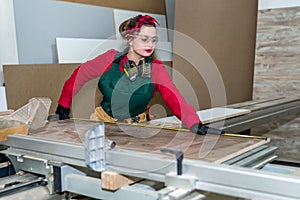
(179, 158)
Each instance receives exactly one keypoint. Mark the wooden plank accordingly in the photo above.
(206, 116)
(246, 104)
(210, 148)
(157, 6)
(3, 103)
(21, 129)
(79, 50)
(113, 181)
(5, 113)
(259, 104)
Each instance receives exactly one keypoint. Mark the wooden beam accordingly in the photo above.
(21, 129)
(113, 181)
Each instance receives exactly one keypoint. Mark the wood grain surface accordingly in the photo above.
(212, 148)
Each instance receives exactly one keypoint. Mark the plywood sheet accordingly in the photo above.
(214, 49)
(210, 148)
(79, 50)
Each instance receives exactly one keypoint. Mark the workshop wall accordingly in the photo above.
(277, 66)
(277, 74)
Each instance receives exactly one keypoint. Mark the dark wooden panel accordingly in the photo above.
(210, 148)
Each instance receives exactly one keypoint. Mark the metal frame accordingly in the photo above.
(262, 111)
(197, 175)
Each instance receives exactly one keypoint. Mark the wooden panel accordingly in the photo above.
(78, 50)
(207, 116)
(3, 103)
(210, 148)
(227, 32)
(23, 82)
(153, 6)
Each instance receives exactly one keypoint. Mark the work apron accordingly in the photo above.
(123, 98)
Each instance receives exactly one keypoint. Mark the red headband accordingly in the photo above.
(141, 20)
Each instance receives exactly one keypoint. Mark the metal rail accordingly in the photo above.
(196, 175)
(262, 111)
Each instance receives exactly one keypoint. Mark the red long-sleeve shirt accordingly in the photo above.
(160, 77)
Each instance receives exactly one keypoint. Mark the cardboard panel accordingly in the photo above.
(214, 48)
(23, 82)
(152, 6)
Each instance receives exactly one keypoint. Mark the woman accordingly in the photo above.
(130, 79)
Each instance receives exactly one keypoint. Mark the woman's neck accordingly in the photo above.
(134, 57)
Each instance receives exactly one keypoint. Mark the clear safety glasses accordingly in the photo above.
(146, 39)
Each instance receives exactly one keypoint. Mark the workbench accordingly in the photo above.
(54, 157)
(57, 152)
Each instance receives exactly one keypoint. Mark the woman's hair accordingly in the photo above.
(134, 24)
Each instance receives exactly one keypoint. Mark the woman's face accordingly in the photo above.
(144, 42)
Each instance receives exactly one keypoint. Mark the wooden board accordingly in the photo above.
(217, 52)
(79, 50)
(210, 148)
(21, 129)
(46, 80)
(206, 116)
(3, 103)
(157, 6)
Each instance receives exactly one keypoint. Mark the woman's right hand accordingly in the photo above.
(63, 112)
(202, 129)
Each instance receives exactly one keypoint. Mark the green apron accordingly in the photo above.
(123, 98)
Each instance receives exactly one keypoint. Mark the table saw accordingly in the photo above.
(145, 162)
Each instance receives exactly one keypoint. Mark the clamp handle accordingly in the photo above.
(179, 158)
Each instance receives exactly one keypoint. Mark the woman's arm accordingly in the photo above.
(172, 97)
(85, 72)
